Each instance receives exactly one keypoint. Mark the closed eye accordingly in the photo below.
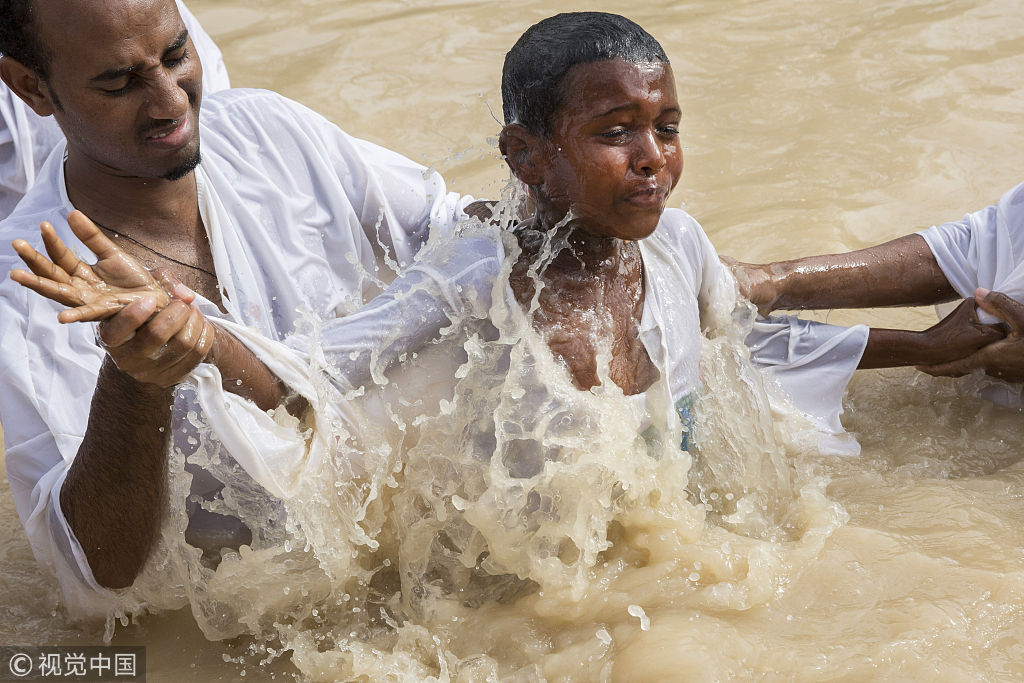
(172, 62)
(120, 91)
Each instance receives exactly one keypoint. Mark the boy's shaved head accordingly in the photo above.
(19, 38)
(540, 59)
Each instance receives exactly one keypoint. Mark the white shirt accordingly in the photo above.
(985, 249)
(301, 217)
(27, 139)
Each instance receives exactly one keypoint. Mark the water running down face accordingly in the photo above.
(613, 154)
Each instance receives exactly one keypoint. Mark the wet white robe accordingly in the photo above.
(688, 291)
(301, 217)
(985, 249)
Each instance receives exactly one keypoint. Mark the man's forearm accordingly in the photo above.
(113, 496)
(243, 373)
(902, 272)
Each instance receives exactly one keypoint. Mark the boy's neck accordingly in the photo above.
(586, 252)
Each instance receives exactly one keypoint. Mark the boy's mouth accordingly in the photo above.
(648, 196)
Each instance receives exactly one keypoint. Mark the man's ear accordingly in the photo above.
(521, 150)
(27, 84)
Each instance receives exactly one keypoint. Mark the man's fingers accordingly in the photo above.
(167, 347)
(91, 312)
(39, 264)
(957, 368)
(91, 236)
(121, 327)
(169, 281)
(152, 339)
(64, 258)
(1003, 307)
(57, 291)
(188, 349)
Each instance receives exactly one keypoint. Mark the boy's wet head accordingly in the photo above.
(592, 123)
(531, 79)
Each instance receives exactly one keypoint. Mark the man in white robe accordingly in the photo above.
(284, 216)
(27, 139)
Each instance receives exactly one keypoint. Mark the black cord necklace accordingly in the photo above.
(151, 249)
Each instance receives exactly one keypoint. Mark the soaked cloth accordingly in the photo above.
(985, 249)
(27, 139)
(303, 221)
(689, 294)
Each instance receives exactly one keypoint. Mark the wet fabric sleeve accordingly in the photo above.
(984, 249)
(812, 361)
(450, 280)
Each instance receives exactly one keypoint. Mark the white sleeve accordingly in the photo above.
(48, 373)
(451, 279)
(215, 74)
(812, 361)
(984, 249)
(395, 201)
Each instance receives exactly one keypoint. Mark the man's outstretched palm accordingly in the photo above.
(94, 292)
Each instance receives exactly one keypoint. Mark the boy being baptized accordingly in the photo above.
(592, 129)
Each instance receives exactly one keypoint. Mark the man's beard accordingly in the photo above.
(186, 167)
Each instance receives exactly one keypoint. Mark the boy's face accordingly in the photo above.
(613, 155)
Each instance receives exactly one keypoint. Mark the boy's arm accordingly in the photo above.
(956, 336)
(902, 272)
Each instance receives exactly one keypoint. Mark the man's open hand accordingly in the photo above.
(90, 292)
(755, 283)
(149, 327)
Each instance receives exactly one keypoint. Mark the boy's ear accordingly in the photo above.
(26, 84)
(521, 150)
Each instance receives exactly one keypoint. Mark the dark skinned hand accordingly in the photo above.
(151, 335)
(1003, 358)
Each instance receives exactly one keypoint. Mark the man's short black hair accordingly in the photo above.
(537, 64)
(19, 38)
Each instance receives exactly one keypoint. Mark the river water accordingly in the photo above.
(808, 127)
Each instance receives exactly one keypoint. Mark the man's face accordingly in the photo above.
(613, 155)
(125, 83)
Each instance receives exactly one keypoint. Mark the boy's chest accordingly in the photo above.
(595, 329)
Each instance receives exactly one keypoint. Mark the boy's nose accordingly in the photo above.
(648, 156)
